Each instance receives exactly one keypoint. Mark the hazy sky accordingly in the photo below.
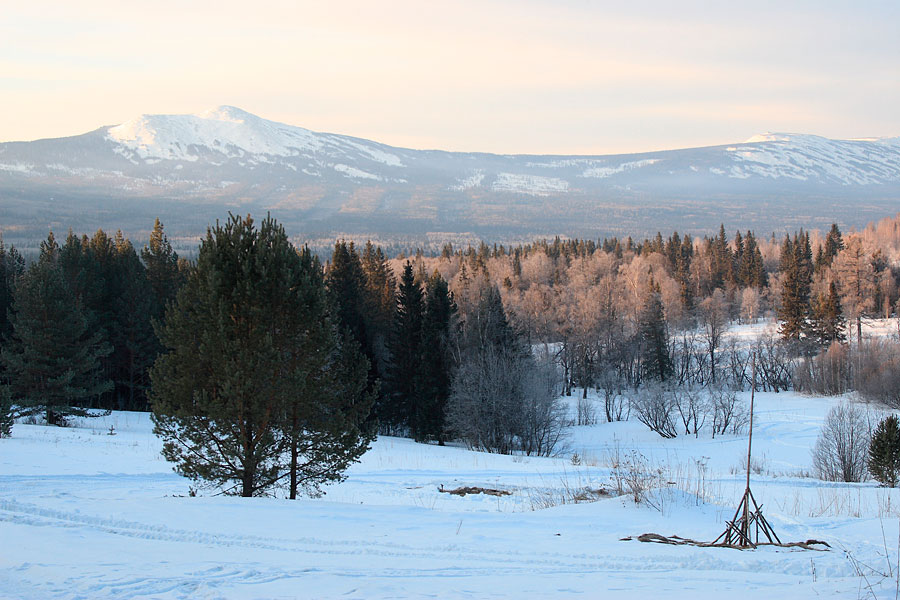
(525, 76)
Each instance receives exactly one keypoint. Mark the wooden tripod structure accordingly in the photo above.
(742, 531)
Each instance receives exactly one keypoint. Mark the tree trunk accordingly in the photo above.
(294, 452)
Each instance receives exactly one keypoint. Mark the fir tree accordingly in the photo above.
(884, 452)
(379, 302)
(828, 319)
(135, 344)
(655, 360)
(796, 268)
(351, 304)
(834, 243)
(51, 356)
(436, 360)
(405, 347)
(163, 274)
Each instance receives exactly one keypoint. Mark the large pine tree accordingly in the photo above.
(255, 387)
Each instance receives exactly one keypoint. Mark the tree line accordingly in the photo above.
(475, 344)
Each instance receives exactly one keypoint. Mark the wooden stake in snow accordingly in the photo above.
(742, 531)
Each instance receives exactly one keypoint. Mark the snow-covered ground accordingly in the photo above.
(85, 514)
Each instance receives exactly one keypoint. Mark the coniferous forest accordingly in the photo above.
(265, 367)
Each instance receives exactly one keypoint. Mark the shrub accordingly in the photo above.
(826, 374)
(878, 372)
(654, 406)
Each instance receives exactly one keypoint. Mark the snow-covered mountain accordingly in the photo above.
(190, 169)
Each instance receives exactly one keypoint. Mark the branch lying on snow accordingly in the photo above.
(680, 541)
(462, 491)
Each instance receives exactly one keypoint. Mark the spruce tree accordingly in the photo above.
(163, 275)
(405, 348)
(379, 302)
(834, 243)
(135, 344)
(345, 281)
(51, 356)
(884, 452)
(436, 360)
(828, 322)
(796, 269)
(254, 388)
(656, 363)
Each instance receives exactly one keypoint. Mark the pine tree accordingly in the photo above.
(324, 383)
(884, 452)
(405, 347)
(51, 356)
(436, 360)
(254, 386)
(655, 360)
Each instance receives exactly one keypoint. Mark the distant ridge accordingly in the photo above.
(190, 169)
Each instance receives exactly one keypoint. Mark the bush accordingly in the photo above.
(826, 374)
(884, 452)
(503, 402)
(842, 447)
(729, 415)
(654, 406)
(878, 373)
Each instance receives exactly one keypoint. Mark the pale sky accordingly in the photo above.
(518, 76)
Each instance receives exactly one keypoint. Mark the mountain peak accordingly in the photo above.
(225, 112)
(224, 129)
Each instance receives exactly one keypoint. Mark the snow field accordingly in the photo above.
(85, 514)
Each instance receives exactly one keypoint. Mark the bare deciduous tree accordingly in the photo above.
(841, 450)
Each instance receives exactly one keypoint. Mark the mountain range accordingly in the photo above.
(190, 170)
